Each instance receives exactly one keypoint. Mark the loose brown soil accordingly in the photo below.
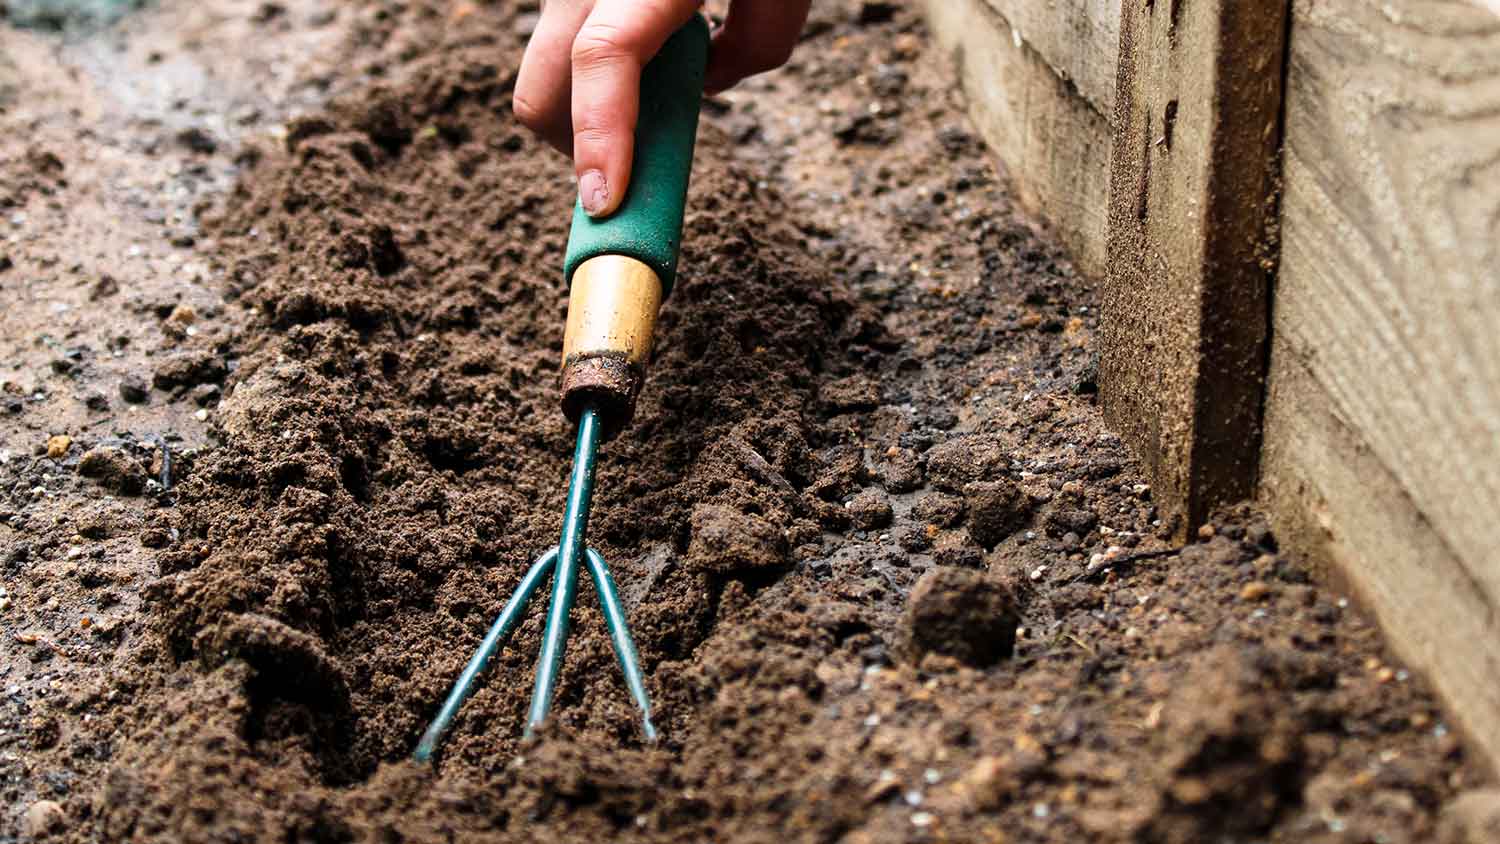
(890, 577)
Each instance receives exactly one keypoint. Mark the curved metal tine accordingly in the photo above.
(619, 634)
(499, 632)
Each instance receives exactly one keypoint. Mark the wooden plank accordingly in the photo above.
(1330, 497)
(1388, 298)
(1078, 39)
(1183, 322)
(1054, 144)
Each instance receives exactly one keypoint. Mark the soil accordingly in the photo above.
(890, 577)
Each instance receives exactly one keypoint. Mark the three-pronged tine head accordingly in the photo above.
(505, 624)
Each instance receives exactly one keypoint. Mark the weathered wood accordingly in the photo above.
(1386, 309)
(1053, 142)
(1078, 39)
(1183, 327)
(1330, 497)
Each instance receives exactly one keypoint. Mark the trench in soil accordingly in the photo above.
(868, 439)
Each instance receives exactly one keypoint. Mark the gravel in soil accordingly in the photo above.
(890, 577)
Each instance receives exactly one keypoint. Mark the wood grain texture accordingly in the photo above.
(1183, 322)
(1331, 498)
(1078, 39)
(1388, 301)
(1054, 144)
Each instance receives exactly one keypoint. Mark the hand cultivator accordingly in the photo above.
(619, 269)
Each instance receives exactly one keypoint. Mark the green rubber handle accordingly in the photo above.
(648, 224)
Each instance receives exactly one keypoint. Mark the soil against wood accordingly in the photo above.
(890, 577)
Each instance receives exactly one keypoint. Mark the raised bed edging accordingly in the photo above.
(1381, 432)
(1041, 104)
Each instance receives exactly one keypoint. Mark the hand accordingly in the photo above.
(579, 85)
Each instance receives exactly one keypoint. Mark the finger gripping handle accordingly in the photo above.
(648, 224)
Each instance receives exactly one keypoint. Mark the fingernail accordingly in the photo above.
(593, 192)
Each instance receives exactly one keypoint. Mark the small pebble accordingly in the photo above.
(57, 446)
(42, 818)
(134, 389)
(883, 787)
(1255, 590)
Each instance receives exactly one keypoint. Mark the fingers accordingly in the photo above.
(757, 36)
(614, 43)
(544, 83)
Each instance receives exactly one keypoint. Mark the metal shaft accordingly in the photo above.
(565, 582)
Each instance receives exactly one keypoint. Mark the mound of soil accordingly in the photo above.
(854, 438)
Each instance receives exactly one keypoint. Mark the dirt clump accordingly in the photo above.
(180, 371)
(1231, 760)
(901, 471)
(940, 509)
(996, 510)
(43, 818)
(726, 540)
(971, 616)
(115, 470)
(963, 460)
(870, 510)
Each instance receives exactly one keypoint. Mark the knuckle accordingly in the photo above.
(527, 111)
(592, 137)
(600, 44)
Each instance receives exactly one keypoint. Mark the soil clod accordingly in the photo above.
(996, 509)
(939, 508)
(901, 471)
(870, 510)
(965, 459)
(184, 370)
(726, 540)
(43, 818)
(113, 469)
(961, 613)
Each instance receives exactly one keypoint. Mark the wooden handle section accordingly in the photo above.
(612, 309)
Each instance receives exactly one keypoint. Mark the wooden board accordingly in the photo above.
(1079, 40)
(1387, 312)
(1184, 310)
(1053, 142)
(1332, 498)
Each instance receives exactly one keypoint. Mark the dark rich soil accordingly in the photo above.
(890, 577)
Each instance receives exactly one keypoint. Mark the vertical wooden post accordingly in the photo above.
(1187, 287)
